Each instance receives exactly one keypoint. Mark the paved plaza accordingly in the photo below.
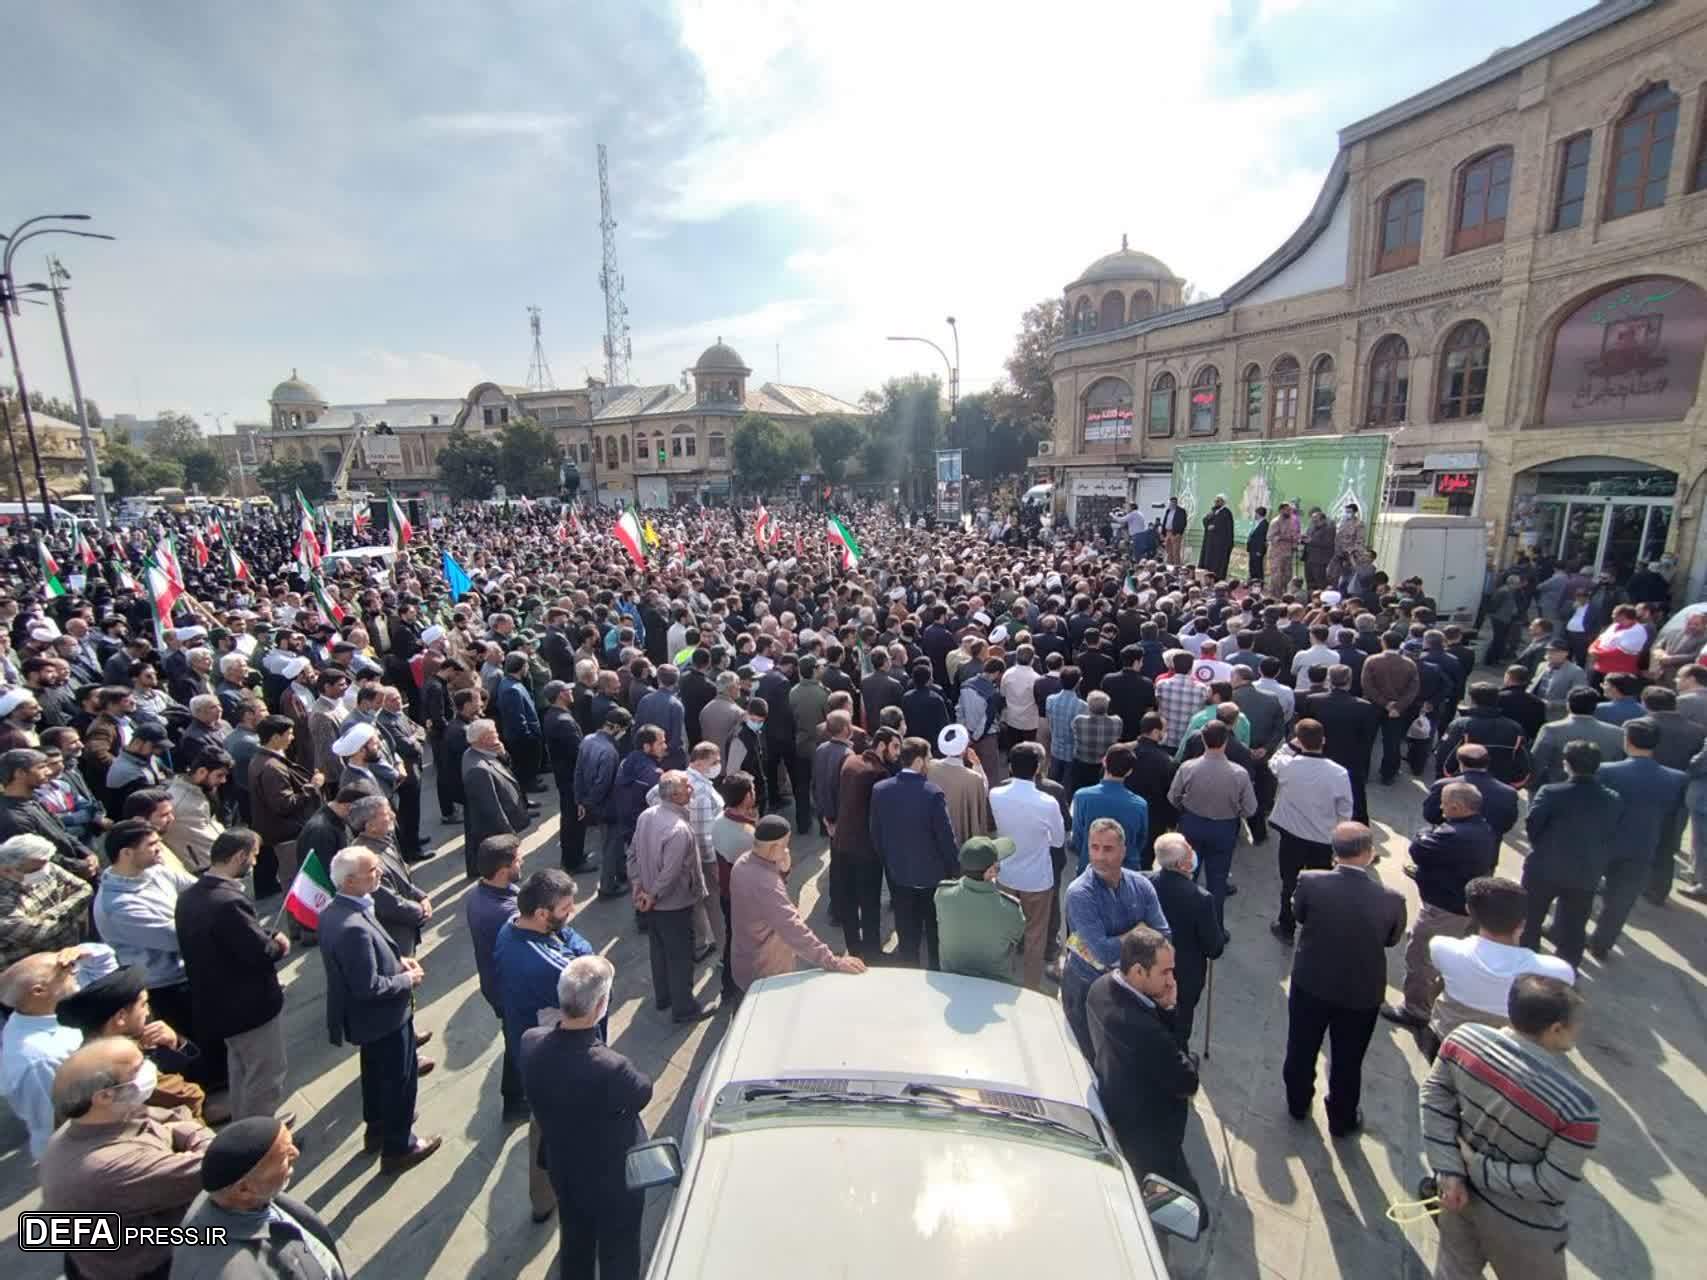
(1287, 1201)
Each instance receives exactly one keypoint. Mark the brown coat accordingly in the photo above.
(1391, 677)
(968, 795)
(100, 748)
(281, 796)
(860, 774)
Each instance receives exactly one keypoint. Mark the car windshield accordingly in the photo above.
(757, 1103)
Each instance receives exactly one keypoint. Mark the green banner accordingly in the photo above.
(1321, 471)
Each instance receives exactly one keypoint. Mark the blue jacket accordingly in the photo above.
(1110, 799)
(1652, 795)
(595, 775)
(526, 966)
(635, 776)
(911, 832)
(488, 910)
(518, 718)
(663, 708)
(367, 993)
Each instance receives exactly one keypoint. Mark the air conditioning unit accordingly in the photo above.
(1045, 448)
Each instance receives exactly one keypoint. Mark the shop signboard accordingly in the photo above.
(948, 478)
(1631, 353)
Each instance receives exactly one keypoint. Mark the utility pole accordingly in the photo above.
(58, 277)
(539, 371)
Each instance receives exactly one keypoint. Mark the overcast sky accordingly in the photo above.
(374, 193)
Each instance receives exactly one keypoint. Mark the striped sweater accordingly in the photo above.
(1508, 1115)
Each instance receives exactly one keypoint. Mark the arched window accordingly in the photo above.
(1389, 382)
(1641, 153)
(1401, 225)
(1205, 414)
(586, 452)
(1283, 413)
(1143, 304)
(1250, 413)
(625, 448)
(1484, 188)
(714, 446)
(1463, 372)
(658, 447)
(1113, 312)
(1630, 351)
(610, 451)
(683, 444)
(1162, 405)
(1084, 319)
(1108, 416)
(1322, 392)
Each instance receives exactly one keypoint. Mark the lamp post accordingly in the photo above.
(953, 366)
(59, 277)
(9, 307)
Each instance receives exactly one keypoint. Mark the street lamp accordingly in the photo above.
(953, 366)
(9, 308)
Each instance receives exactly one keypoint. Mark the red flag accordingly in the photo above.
(561, 533)
(627, 532)
(214, 532)
(199, 545)
(759, 523)
(361, 519)
(85, 552)
(799, 546)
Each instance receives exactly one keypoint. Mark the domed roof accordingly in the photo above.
(721, 359)
(293, 390)
(1127, 264)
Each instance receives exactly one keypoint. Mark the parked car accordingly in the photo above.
(920, 1124)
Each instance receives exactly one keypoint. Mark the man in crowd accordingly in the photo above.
(768, 935)
(1653, 797)
(494, 803)
(1508, 1127)
(1031, 820)
(1346, 922)
(1573, 828)
(1476, 971)
(959, 774)
(587, 1099)
(1145, 1077)
(34, 1042)
(1313, 796)
(370, 1001)
(595, 797)
(43, 907)
(1112, 798)
(982, 928)
(1581, 724)
(1193, 930)
(135, 910)
(1445, 857)
(231, 964)
(667, 882)
(1392, 685)
(487, 909)
(856, 864)
(914, 838)
(1211, 794)
(1103, 903)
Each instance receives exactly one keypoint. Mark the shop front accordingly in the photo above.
(1095, 496)
(1606, 514)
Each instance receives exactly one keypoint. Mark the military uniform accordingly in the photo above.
(981, 928)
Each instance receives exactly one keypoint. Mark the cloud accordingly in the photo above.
(376, 374)
(502, 124)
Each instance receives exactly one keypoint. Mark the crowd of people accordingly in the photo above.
(1047, 752)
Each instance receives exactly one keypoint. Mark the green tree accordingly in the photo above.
(135, 472)
(53, 405)
(175, 435)
(528, 458)
(910, 422)
(469, 466)
(835, 440)
(766, 457)
(282, 479)
(877, 460)
(1027, 397)
(206, 470)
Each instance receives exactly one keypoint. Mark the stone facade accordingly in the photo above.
(1319, 309)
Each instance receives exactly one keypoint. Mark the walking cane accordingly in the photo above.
(1209, 1011)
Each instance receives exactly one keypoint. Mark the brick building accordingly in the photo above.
(1506, 271)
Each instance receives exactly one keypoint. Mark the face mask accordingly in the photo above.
(36, 877)
(141, 1088)
(713, 771)
(757, 726)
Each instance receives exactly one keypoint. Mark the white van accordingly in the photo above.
(63, 520)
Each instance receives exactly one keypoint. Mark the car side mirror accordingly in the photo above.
(1171, 1207)
(653, 1164)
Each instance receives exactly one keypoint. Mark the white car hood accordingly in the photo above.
(894, 1200)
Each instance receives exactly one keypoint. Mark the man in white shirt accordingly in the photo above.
(1032, 820)
(1317, 655)
(1019, 711)
(1478, 970)
(1270, 684)
(1312, 796)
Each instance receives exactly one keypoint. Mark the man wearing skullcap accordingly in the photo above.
(268, 1235)
(768, 935)
(113, 1001)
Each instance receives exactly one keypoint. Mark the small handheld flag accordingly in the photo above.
(328, 606)
(759, 523)
(842, 538)
(627, 532)
(49, 572)
(85, 552)
(239, 570)
(401, 530)
(310, 893)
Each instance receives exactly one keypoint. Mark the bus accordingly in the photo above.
(172, 499)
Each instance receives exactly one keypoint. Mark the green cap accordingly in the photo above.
(981, 853)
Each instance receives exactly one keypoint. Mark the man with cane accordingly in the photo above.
(1197, 939)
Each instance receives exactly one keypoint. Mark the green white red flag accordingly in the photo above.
(842, 538)
(328, 606)
(85, 552)
(239, 569)
(49, 571)
(310, 893)
(627, 532)
(401, 530)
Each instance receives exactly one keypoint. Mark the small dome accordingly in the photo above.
(293, 390)
(719, 358)
(1127, 264)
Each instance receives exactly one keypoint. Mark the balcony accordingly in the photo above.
(649, 465)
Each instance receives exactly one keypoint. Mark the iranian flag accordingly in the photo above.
(326, 541)
(799, 545)
(401, 529)
(627, 532)
(561, 533)
(239, 570)
(215, 532)
(759, 523)
(307, 547)
(85, 552)
(164, 592)
(575, 521)
(361, 520)
(126, 582)
(307, 507)
(328, 606)
(842, 537)
(310, 893)
(49, 572)
(166, 556)
(198, 545)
